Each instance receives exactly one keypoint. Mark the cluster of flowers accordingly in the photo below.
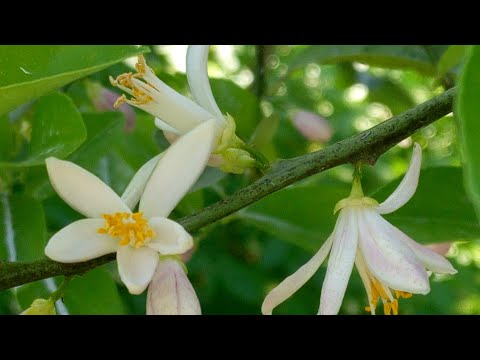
(148, 245)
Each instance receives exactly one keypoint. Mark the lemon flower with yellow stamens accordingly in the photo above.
(176, 114)
(137, 238)
(385, 257)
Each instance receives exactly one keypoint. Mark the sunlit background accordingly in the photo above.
(287, 102)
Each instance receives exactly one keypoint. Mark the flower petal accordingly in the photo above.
(80, 241)
(162, 125)
(135, 188)
(407, 187)
(388, 258)
(82, 190)
(136, 267)
(295, 281)
(170, 292)
(430, 259)
(197, 75)
(340, 262)
(176, 172)
(171, 238)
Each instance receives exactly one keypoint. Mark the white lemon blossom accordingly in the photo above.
(176, 114)
(170, 292)
(111, 226)
(385, 257)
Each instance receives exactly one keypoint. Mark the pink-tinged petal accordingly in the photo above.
(170, 237)
(291, 284)
(178, 169)
(82, 190)
(340, 262)
(404, 192)
(170, 292)
(136, 267)
(430, 259)
(312, 126)
(440, 248)
(197, 75)
(133, 192)
(388, 258)
(80, 241)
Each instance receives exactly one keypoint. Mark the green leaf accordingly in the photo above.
(389, 56)
(451, 58)
(22, 228)
(29, 72)
(57, 130)
(308, 219)
(239, 103)
(94, 293)
(437, 212)
(467, 110)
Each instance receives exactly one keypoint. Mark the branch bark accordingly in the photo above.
(364, 147)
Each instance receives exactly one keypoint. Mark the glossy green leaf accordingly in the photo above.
(451, 58)
(22, 228)
(439, 211)
(468, 113)
(389, 56)
(57, 130)
(30, 71)
(239, 103)
(94, 293)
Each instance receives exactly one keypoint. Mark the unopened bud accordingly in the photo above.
(312, 126)
(41, 307)
(104, 100)
(170, 292)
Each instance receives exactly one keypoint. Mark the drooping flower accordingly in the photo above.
(176, 114)
(391, 265)
(170, 292)
(137, 237)
(41, 307)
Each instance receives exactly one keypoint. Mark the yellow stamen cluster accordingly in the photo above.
(130, 229)
(390, 305)
(124, 81)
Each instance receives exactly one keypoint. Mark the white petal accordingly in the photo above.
(136, 267)
(407, 187)
(295, 281)
(197, 75)
(388, 258)
(170, 292)
(82, 190)
(135, 188)
(171, 238)
(340, 262)
(430, 259)
(173, 108)
(176, 172)
(162, 125)
(80, 241)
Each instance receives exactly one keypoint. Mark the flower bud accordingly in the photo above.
(104, 99)
(41, 307)
(170, 292)
(312, 126)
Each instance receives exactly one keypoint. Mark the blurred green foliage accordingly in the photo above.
(239, 259)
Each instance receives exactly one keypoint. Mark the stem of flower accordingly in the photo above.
(357, 191)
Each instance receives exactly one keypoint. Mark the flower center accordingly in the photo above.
(129, 229)
(379, 291)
